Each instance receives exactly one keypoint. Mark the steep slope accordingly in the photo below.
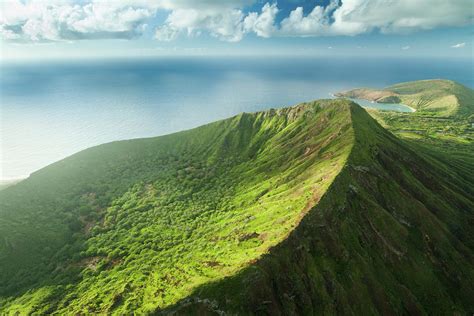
(442, 97)
(138, 225)
(392, 235)
(305, 210)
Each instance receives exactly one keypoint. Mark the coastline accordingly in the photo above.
(394, 105)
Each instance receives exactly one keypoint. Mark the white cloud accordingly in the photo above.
(65, 20)
(407, 15)
(406, 47)
(459, 45)
(224, 24)
(56, 20)
(227, 23)
(353, 17)
(317, 22)
(262, 24)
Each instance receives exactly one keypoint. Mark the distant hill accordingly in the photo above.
(310, 209)
(442, 97)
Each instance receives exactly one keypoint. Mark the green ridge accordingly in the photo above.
(137, 225)
(392, 235)
(313, 209)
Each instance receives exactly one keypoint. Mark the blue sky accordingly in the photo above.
(41, 29)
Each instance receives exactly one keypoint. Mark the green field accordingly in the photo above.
(311, 209)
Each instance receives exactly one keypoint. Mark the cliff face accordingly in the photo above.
(390, 236)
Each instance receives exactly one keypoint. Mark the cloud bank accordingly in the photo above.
(66, 20)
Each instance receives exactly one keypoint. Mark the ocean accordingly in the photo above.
(50, 110)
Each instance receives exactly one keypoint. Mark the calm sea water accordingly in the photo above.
(52, 110)
(384, 106)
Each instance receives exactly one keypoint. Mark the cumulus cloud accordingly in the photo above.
(339, 17)
(57, 20)
(317, 22)
(353, 17)
(66, 20)
(262, 24)
(406, 47)
(225, 25)
(459, 45)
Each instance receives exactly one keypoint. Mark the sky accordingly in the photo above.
(34, 29)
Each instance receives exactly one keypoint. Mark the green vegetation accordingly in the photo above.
(392, 235)
(437, 134)
(433, 97)
(312, 209)
(7, 183)
(448, 138)
(137, 225)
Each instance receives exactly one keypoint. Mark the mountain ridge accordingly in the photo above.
(320, 182)
(204, 164)
(277, 285)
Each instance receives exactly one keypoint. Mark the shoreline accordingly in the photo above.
(413, 110)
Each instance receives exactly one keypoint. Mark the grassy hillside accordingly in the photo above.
(138, 225)
(392, 235)
(437, 97)
(305, 210)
